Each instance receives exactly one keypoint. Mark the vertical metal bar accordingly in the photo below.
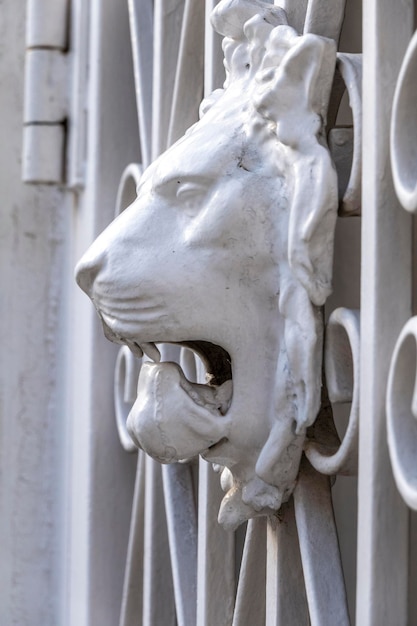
(385, 306)
(141, 34)
(319, 548)
(158, 594)
(215, 574)
(250, 597)
(296, 12)
(182, 533)
(325, 18)
(167, 33)
(189, 79)
(286, 601)
(132, 599)
(78, 98)
(214, 74)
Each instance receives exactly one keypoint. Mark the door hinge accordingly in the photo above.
(54, 106)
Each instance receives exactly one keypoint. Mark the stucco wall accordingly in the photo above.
(34, 223)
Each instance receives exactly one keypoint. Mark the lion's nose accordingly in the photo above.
(87, 270)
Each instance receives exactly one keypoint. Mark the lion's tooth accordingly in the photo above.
(151, 351)
(135, 349)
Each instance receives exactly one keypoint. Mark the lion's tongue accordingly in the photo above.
(173, 419)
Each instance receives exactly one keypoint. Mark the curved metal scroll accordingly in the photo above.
(401, 400)
(345, 143)
(402, 413)
(126, 192)
(404, 131)
(126, 375)
(341, 357)
(127, 366)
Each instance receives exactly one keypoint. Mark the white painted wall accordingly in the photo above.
(34, 274)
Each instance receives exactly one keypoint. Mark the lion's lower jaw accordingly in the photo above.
(173, 419)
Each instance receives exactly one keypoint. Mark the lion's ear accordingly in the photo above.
(295, 83)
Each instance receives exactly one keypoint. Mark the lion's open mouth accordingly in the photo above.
(174, 418)
(216, 360)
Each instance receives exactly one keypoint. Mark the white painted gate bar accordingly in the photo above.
(250, 606)
(385, 306)
(167, 34)
(216, 555)
(182, 535)
(157, 577)
(189, 76)
(141, 34)
(132, 598)
(286, 601)
(213, 56)
(319, 548)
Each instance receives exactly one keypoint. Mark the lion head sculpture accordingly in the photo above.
(228, 250)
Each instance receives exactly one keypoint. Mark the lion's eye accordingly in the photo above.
(190, 195)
